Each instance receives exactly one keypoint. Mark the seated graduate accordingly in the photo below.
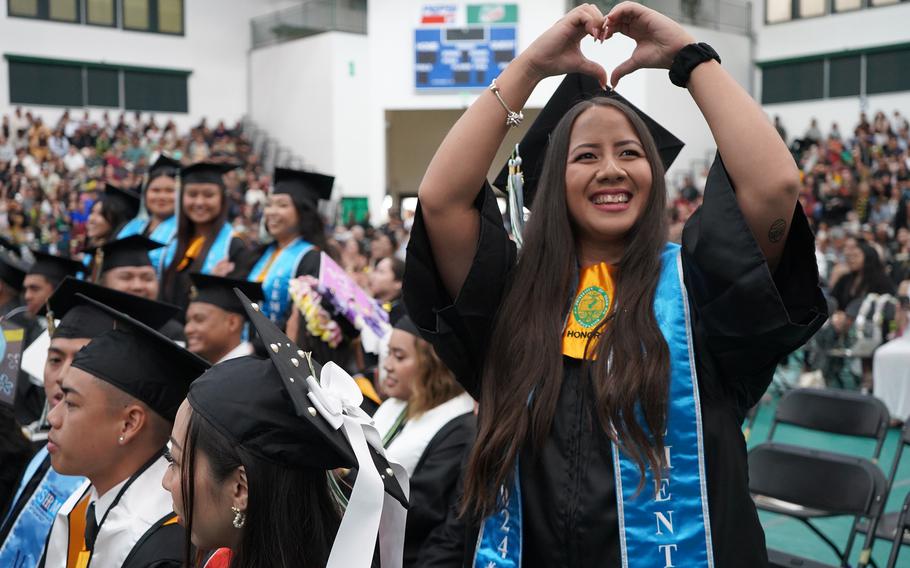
(43, 276)
(205, 240)
(292, 220)
(428, 426)
(120, 396)
(156, 219)
(215, 318)
(42, 490)
(250, 453)
(114, 208)
(125, 265)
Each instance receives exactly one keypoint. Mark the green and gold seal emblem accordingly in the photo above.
(591, 306)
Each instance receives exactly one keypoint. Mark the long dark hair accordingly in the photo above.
(117, 214)
(185, 230)
(524, 369)
(291, 516)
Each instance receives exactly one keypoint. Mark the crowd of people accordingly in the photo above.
(214, 374)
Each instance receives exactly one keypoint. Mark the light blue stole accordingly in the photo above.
(278, 276)
(217, 252)
(164, 233)
(25, 542)
(669, 527)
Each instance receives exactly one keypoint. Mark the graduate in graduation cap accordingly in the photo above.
(215, 318)
(612, 368)
(156, 219)
(270, 431)
(126, 265)
(292, 221)
(43, 276)
(205, 241)
(120, 397)
(113, 209)
(42, 490)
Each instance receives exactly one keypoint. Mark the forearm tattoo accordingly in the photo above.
(777, 230)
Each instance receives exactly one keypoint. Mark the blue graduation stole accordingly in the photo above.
(25, 542)
(668, 527)
(217, 252)
(163, 233)
(277, 277)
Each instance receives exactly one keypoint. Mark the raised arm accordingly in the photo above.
(460, 165)
(761, 168)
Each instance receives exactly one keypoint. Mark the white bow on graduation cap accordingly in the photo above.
(337, 398)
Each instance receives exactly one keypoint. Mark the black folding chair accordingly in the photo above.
(902, 533)
(806, 483)
(836, 411)
(887, 524)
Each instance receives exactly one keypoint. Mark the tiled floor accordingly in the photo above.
(791, 535)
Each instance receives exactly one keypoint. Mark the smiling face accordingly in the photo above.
(136, 280)
(608, 177)
(202, 202)
(160, 197)
(281, 219)
(97, 226)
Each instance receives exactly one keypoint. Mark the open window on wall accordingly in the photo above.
(56, 10)
(36, 81)
(161, 16)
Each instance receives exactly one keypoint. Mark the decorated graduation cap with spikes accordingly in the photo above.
(279, 410)
(575, 88)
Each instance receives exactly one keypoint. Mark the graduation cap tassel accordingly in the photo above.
(515, 185)
(97, 262)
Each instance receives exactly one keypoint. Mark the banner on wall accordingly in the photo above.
(438, 14)
(492, 13)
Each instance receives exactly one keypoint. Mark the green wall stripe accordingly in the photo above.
(94, 65)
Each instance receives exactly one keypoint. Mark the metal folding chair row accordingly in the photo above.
(809, 484)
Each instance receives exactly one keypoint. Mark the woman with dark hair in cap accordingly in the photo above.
(427, 425)
(251, 453)
(292, 221)
(156, 219)
(204, 241)
(108, 215)
(613, 369)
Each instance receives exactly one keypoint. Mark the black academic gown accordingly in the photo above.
(744, 320)
(434, 489)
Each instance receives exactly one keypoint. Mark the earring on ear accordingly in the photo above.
(120, 439)
(239, 518)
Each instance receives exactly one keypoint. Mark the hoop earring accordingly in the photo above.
(239, 518)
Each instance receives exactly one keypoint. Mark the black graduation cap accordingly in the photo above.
(128, 251)
(219, 291)
(12, 270)
(127, 197)
(140, 362)
(81, 319)
(53, 267)
(205, 172)
(163, 166)
(6, 243)
(266, 410)
(576, 87)
(406, 324)
(303, 187)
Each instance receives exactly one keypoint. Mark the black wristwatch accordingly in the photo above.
(687, 59)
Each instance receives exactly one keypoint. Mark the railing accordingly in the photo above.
(271, 153)
(723, 15)
(309, 18)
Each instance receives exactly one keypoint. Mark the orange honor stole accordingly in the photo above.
(593, 301)
(77, 555)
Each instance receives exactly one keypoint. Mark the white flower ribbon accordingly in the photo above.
(370, 510)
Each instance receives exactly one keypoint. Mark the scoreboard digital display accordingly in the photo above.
(458, 58)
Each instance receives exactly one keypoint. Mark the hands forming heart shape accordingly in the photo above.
(557, 51)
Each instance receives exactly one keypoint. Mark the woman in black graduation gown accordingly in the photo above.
(569, 430)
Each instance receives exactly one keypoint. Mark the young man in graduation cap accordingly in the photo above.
(42, 490)
(124, 265)
(215, 317)
(47, 272)
(121, 394)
